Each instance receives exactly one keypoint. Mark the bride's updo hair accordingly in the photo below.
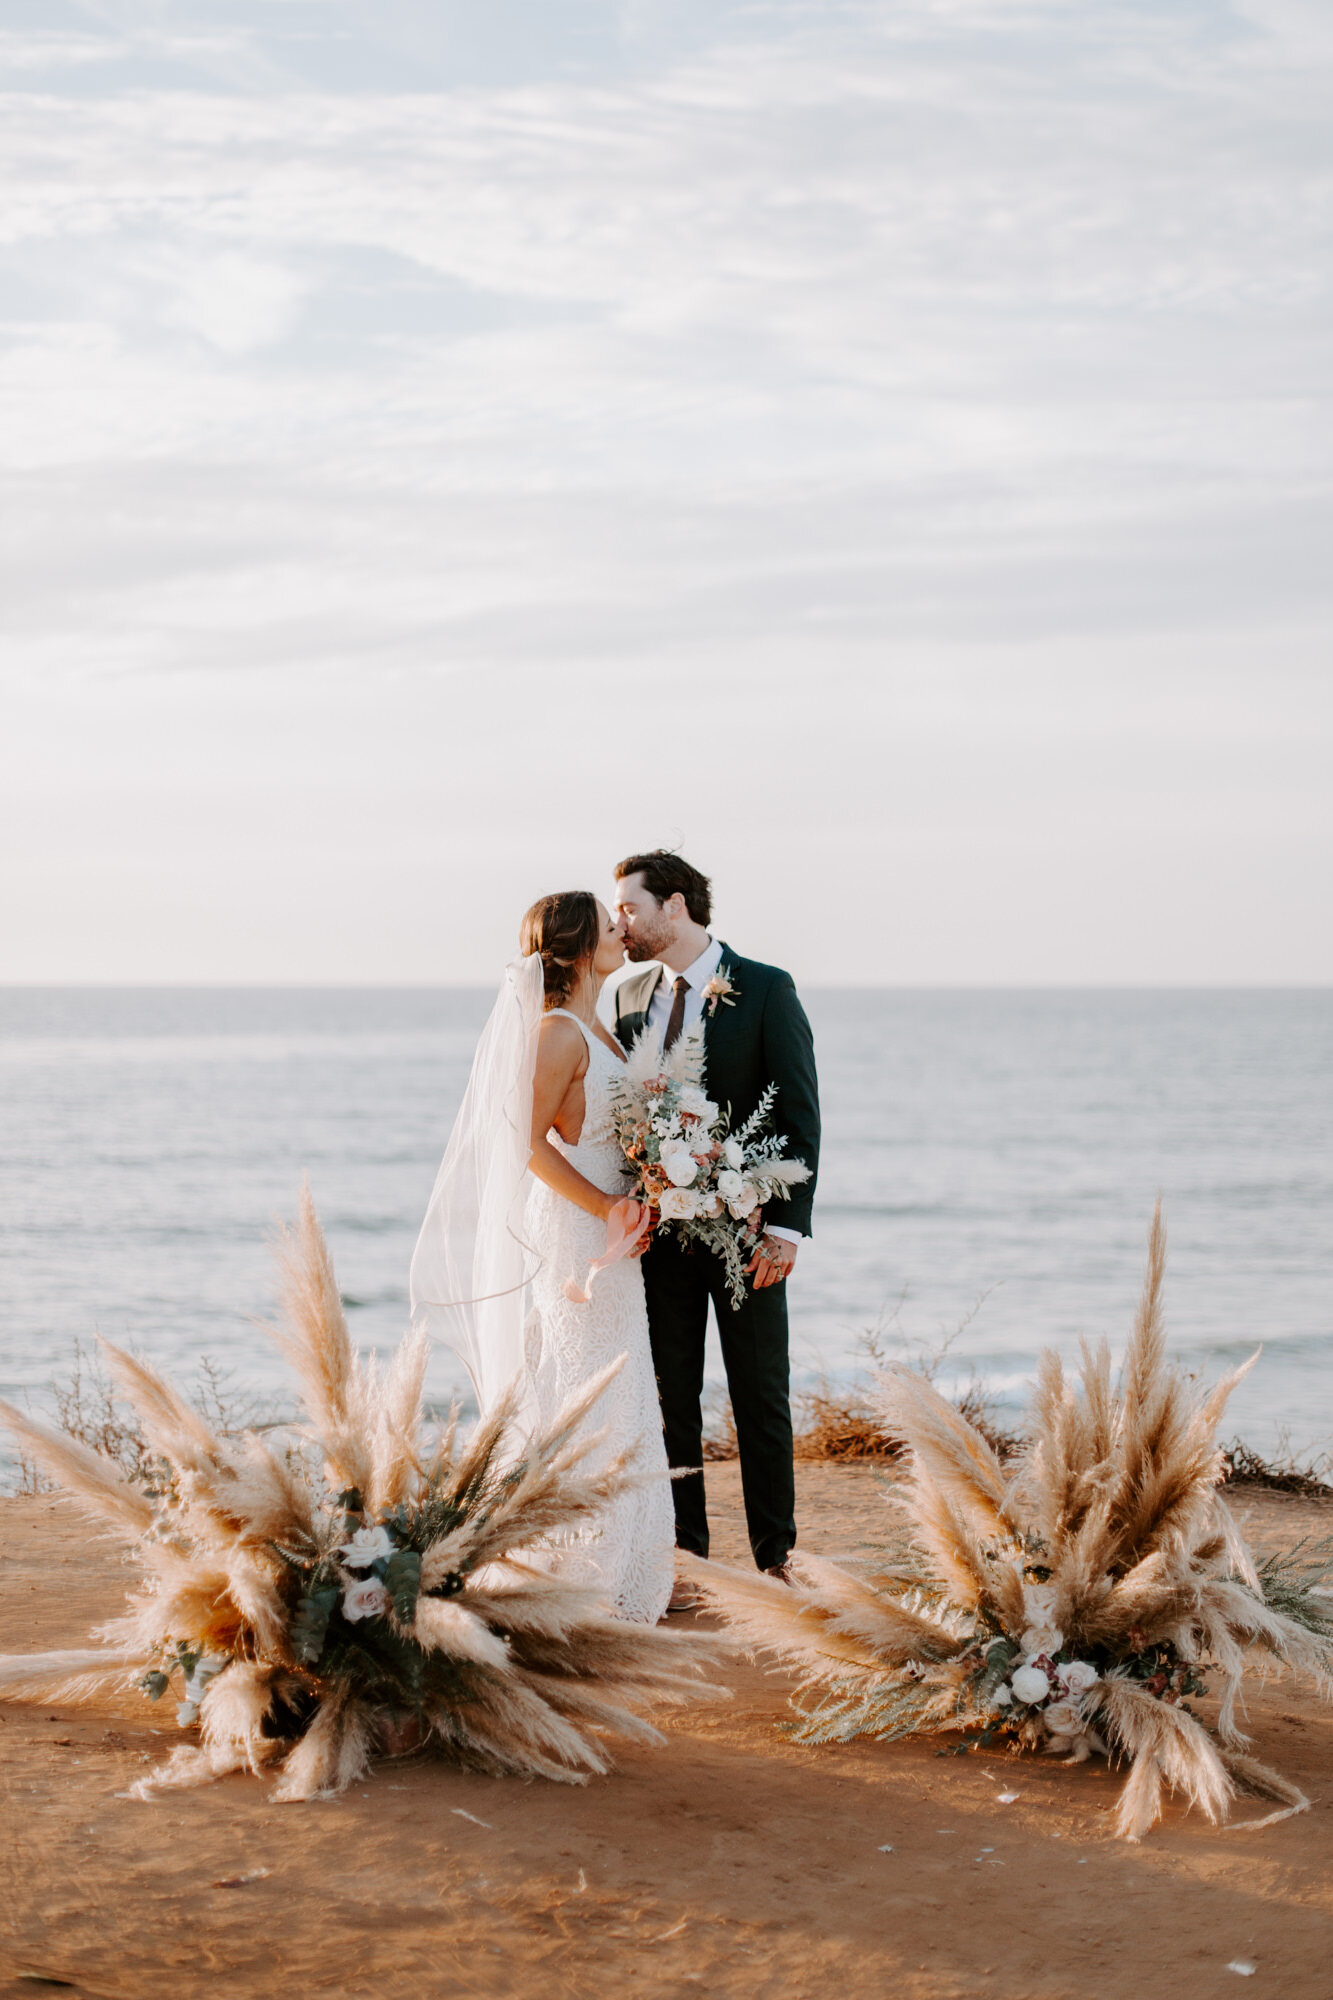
(564, 931)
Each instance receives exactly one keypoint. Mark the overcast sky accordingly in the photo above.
(884, 447)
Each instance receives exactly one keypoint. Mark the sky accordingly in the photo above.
(883, 449)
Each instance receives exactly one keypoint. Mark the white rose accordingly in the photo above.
(367, 1546)
(679, 1204)
(696, 1101)
(1077, 1676)
(1030, 1685)
(679, 1163)
(733, 1153)
(709, 1205)
(367, 1599)
(730, 1183)
(1039, 1603)
(1063, 1718)
(744, 1203)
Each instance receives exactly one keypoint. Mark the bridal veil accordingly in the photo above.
(472, 1266)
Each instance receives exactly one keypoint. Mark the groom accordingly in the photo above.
(755, 1033)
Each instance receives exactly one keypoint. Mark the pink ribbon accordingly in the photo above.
(624, 1227)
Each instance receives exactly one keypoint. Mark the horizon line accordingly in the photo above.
(819, 986)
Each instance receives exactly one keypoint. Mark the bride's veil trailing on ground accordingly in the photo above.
(472, 1265)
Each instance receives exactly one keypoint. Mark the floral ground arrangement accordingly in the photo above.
(312, 1599)
(1075, 1601)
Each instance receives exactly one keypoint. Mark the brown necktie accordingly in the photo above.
(676, 1021)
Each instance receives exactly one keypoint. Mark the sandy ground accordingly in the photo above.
(731, 1861)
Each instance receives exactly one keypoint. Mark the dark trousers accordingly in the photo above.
(679, 1280)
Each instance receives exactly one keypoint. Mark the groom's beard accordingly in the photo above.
(639, 948)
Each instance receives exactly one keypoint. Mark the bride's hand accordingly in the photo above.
(645, 1235)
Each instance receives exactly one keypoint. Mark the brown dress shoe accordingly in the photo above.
(783, 1572)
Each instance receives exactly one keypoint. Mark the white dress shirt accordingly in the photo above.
(698, 974)
(659, 1013)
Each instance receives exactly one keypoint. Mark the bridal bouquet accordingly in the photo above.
(697, 1176)
(353, 1589)
(1073, 1604)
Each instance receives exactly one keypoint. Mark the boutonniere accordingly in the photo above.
(719, 991)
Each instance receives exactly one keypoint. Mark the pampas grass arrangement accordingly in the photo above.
(357, 1592)
(1070, 1601)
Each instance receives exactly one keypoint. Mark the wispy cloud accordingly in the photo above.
(842, 336)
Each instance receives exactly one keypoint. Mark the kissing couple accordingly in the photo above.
(534, 1179)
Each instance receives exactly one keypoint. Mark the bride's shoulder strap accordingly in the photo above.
(565, 1015)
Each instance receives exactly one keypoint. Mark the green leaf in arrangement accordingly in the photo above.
(402, 1580)
(155, 1684)
(310, 1623)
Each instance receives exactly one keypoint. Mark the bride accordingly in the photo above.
(519, 1213)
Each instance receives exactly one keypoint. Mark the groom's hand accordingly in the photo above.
(771, 1261)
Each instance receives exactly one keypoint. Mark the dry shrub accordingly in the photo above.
(845, 1421)
(1283, 1473)
(89, 1411)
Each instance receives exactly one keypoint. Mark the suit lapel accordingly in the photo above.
(634, 1020)
(650, 994)
(720, 1025)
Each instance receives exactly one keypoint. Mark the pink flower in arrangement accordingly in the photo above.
(367, 1599)
(719, 992)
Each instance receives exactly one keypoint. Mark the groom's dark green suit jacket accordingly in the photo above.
(762, 1038)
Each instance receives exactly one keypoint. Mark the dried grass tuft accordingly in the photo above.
(482, 1648)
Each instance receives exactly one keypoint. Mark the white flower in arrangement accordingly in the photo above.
(1003, 1696)
(367, 1546)
(680, 1204)
(1039, 1603)
(1076, 1676)
(1030, 1685)
(711, 1205)
(667, 1125)
(693, 1099)
(1042, 1634)
(733, 1154)
(744, 1203)
(1063, 1718)
(679, 1163)
(730, 1183)
(367, 1599)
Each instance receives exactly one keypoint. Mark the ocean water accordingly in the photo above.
(991, 1160)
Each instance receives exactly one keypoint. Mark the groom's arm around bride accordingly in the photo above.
(755, 1033)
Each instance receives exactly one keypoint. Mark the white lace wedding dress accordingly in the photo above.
(629, 1552)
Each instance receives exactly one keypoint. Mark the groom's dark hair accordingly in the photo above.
(666, 874)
